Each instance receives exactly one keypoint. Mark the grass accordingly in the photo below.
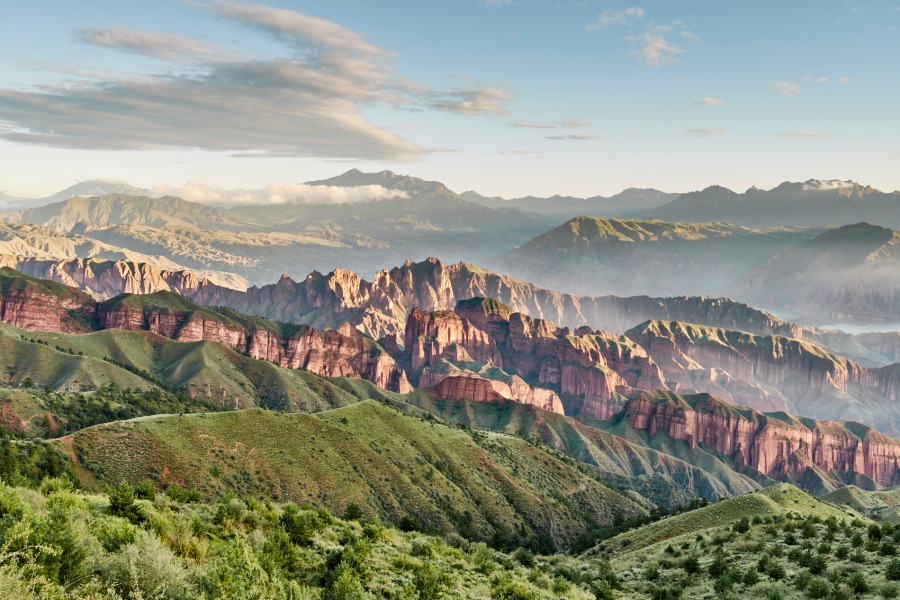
(393, 465)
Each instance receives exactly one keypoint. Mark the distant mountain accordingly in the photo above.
(567, 207)
(847, 274)
(96, 187)
(117, 209)
(593, 256)
(813, 202)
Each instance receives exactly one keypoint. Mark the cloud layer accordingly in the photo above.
(305, 103)
(297, 193)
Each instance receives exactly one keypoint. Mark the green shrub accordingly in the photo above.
(122, 503)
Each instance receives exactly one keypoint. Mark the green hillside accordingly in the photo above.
(776, 543)
(143, 360)
(395, 466)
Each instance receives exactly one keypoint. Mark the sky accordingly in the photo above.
(505, 97)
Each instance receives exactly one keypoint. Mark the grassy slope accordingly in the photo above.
(778, 499)
(628, 463)
(389, 463)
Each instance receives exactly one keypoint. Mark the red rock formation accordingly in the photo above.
(462, 385)
(778, 446)
(380, 307)
(29, 303)
(592, 371)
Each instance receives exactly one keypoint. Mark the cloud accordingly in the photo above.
(303, 31)
(784, 88)
(298, 193)
(574, 136)
(708, 101)
(533, 125)
(655, 49)
(801, 135)
(845, 80)
(608, 18)
(166, 46)
(308, 103)
(472, 100)
(541, 125)
(706, 131)
(690, 35)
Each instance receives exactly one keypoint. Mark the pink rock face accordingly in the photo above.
(30, 306)
(329, 353)
(594, 370)
(461, 385)
(778, 448)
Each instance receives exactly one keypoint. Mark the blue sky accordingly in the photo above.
(508, 98)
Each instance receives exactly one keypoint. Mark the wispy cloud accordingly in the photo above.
(705, 132)
(655, 49)
(784, 88)
(470, 100)
(801, 135)
(308, 103)
(708, 101)
(542, 125)
(166, 46)
(608, 18)
(574, 136)
(297, 193)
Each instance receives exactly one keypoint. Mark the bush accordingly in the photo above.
(504, 587)
(121, 503)
(430, 581)
(892, 572)
(146, 490)
(818, 588)
(889, 591)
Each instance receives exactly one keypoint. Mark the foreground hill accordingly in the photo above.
(168, 545)
(392, 465)
(813, 202)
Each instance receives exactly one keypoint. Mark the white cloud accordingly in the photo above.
(298, 193)
(709, 101)
(166, 46)
(801, 135)
(574, 136)
(845, 80)
(543, 125)
(306, 104)
(707, 131)
(533, 125)
(690, 35)
(784, 88)
(655, 49)
(608, 18)
(830, 184)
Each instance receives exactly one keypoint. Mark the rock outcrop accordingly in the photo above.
(30, 303)
(778, 446)
(591, 371)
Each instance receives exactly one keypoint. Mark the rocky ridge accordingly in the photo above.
(29, 303)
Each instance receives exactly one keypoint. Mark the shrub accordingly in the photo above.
(818, 588)
(146, 490)
(892, 572)
(889, 591)
(121, 503)
(504, 587)
(857, 583)
(430, 581)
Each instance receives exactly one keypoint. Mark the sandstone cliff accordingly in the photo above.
(778, 446)
(30, 303)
